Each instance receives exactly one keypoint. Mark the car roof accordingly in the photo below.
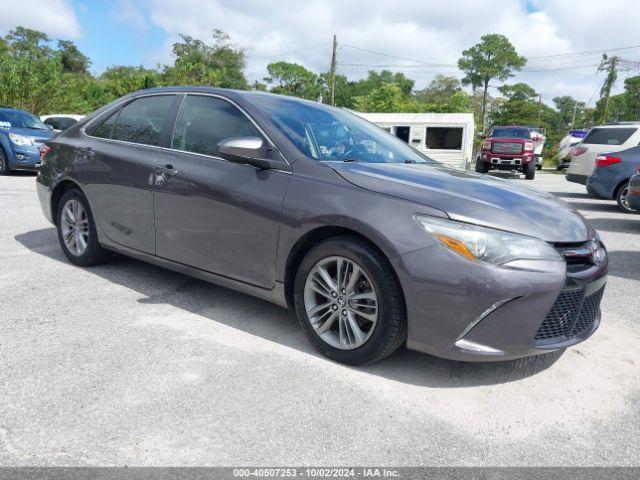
(11, 109)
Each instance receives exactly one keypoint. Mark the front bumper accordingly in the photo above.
(468, 311)
(504, 161)
(25, 158)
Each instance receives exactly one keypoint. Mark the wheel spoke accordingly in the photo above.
(372, 317)
(326, 325)
(354, 328)
(353, 279)
(329, 282)
(67, 215)
(81, 242)
(318, 308)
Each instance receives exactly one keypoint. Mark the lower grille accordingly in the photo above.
(571, 315)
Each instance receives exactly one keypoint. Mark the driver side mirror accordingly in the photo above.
(248, 150)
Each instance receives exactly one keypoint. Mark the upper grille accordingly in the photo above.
(507, 147)
(571, 315)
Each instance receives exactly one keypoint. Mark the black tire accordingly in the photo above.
(481, 167)
(530, 170)
(390, 330)
(620, 200)
(94, 254)
(539, 167)
(4, 164)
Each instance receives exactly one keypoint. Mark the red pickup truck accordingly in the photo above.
(508, 148)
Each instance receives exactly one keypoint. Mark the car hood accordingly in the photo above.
(473, 198)
(33, 132)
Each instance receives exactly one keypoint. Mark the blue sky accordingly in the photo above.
(418, 37)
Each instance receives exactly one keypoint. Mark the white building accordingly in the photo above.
(445, 137)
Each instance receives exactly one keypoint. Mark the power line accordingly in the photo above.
(291, 52)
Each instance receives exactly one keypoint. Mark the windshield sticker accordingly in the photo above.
(5, 124)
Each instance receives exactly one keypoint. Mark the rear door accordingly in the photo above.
(116, 164)
(213, 214)
(600, 140)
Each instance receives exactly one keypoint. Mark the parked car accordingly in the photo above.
(508, 148)
(633, 196)
(61, 121)
(21, 133)
(370, 241)
(610, 178)
(602, 139)
(566, 146)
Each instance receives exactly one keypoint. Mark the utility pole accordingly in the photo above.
(332, 80)
(575, 110)
(539, 110)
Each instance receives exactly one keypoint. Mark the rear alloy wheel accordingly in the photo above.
(4, 165)
(349, 303)
(530, 170)
(622, 200)
(77, 231)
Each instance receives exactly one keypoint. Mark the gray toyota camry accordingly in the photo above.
(372, 243)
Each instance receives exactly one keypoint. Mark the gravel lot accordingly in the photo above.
(129, 364)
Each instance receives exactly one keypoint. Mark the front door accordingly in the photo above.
(210, 213)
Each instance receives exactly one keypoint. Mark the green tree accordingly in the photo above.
(293, 79)
(518, 91)
(440, 90)
(73, 60)
(389, 97)
(122, 79)
(493, 57)
(197, 63)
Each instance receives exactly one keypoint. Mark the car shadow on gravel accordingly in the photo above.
(629, 224)
(161, 286)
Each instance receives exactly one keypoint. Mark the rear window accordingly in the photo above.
(609, 136)
(141, 121)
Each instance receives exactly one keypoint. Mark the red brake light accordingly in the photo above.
(578, 151)
(44, 149)
(605, 160)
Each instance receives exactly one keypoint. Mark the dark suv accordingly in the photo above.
(311, 207)
(508, 148)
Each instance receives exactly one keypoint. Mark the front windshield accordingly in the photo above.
(326, 133)
(18, 119)
(508, 132)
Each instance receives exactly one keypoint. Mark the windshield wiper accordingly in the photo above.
(410, 161)
(349, 160)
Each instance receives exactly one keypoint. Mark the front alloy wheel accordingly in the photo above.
(349, 302)
(341, 303)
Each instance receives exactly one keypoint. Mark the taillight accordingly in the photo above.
(578, 151)
(605, 160)
(486, 145)
(44, 149)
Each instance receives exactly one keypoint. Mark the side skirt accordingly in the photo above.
(275, 295)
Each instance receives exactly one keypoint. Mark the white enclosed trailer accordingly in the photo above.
(445, 137)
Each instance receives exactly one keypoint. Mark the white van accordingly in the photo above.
(601, 139)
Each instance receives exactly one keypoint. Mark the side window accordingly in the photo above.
(53, 122)
(141, 121)
(204, 121)
(104, 129)
(67, 123)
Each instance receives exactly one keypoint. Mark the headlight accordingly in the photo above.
(528, 146)
(486, 244)
(20, 139)
(486, 145)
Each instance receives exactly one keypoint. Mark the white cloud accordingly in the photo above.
(128, 13)
(429, 31)
(56, 18)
